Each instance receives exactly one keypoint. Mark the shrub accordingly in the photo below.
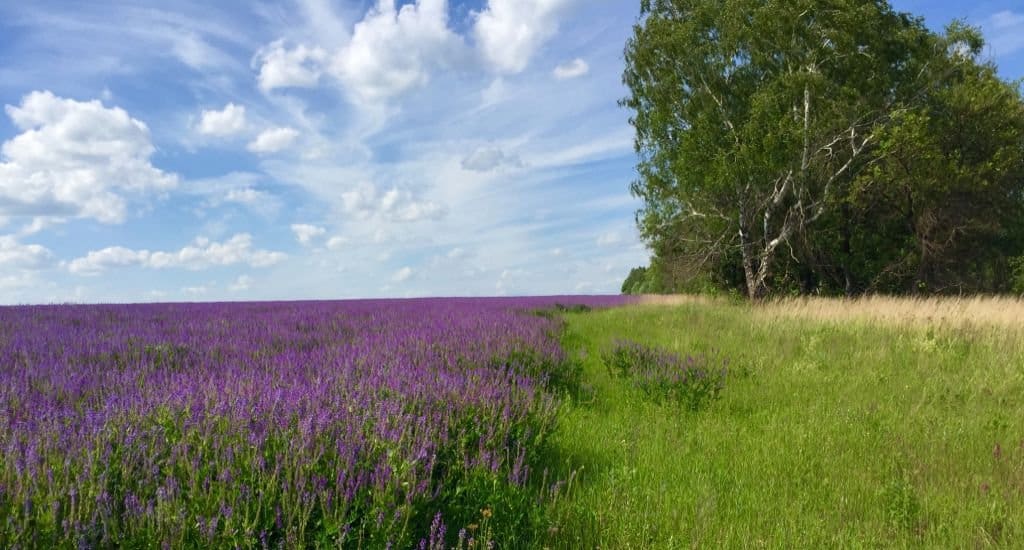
(661, 375)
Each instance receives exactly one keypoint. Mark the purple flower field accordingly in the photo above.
(273, 424)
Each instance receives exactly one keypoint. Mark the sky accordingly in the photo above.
(319, 149)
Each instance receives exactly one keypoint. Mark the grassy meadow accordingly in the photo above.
(889, 423)
(556, 422)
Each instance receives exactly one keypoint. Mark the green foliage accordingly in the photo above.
(944, 198)
(1017, 264)
(635, 282)
(822, 146)
(661, 278)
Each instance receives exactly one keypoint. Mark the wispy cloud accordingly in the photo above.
(421, 144)
(1005, 32)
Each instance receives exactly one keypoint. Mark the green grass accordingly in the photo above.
(842, 434)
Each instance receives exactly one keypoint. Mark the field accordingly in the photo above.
(363, 424)
(876, 423)
(542, 422)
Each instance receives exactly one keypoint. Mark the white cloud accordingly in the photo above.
(226, 122)
(201, 254)
(273, 140)
(337, 242)
(192, 50)
(1007, 19)
(456, 253)
(1005, 32)
(75, 160)
(112, 256)
(571, 69)
(17, 281)
(305, 232)
(241, 284)
(611, 145)
(395, 204)
(485, 159)
(22, 256)
(235, 188)
(509, 32)
(393, 50)
(247, 196)
(36, 225)
(402, 275)
(280, 67)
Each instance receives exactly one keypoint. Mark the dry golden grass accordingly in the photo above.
(676, 299)
(948, 312)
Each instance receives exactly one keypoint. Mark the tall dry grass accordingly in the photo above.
(985, 312)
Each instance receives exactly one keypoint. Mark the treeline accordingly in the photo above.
(822, 146)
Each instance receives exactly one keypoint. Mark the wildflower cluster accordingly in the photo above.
(662, 375)
(267, 424)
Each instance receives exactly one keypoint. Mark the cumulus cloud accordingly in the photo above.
(485, 159)
(509, 32)
(571, 69)
(393, 50)
(201, 254)
(402, 275)
(226, 122)
(395, 204)
(273, 140)
(241, 284)
(112, 256)
(281, 67)
(14, 255)
(75, 159)
(305, 233)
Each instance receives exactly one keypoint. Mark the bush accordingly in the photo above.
(661, 375)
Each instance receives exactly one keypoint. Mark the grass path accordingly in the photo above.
(827, 434)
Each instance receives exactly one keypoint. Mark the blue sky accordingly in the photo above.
(328, 149)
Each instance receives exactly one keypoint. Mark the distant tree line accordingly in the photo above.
(822, 146)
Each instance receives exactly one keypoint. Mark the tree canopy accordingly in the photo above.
(822, 146)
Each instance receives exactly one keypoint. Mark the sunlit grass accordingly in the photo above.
(833, 429)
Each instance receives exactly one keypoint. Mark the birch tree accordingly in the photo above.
(753, 117)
